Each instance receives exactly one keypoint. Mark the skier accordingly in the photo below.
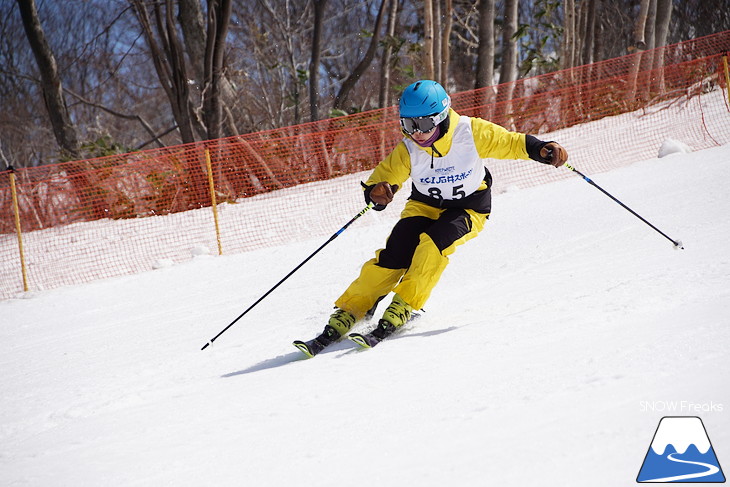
(449, 204)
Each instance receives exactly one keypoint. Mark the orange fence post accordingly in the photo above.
(727, 78)
(213, 201)
(16, 211)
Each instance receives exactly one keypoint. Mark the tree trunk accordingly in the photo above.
(436, 40)
(649, 33)
(445, 42)
(639, 45)
(647, 58)
(428, 35)
(598, 45)
(352, 80)
(567, 49)
(192, 25)
(63, 128)
(663, 18)
(640, 26)
(319, 6)
(590, 32)
(384, 93)
(508, 72)
(168, 59)
(485, 50)
(649, 36)
(219, 15)
(509, 45)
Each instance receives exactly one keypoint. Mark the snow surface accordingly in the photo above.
(547, 355)
(671, 146)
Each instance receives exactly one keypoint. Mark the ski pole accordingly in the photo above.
(677, 243)
(334, 236)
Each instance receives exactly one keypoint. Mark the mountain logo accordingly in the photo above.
(681, 452)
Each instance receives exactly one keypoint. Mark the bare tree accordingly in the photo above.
(287, 22)
(437, 38)
(168, 58)
(697, 18)
(197, 39)
(588, 37)
(428, 40)
(63, 129)
(647, 59)
(119, 92)
(314, 64)
(508, 71)
(198, 115)
(663, 18)
(640, 25)
(363, 65)
(192, 25)
(639, 45)
(485, 50)
(384, 92)
(444, 62)
(219, 15)
(644, 39)
(567, 51)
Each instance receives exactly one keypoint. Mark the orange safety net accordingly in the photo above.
(122, 214)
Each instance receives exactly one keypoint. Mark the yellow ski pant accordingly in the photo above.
(415, 256)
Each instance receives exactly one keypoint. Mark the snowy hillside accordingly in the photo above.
(546, 356)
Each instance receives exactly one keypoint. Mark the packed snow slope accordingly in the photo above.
(546, 356)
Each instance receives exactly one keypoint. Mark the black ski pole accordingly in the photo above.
(334, 236)
(677, 243)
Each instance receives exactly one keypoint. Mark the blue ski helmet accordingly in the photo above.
(424, 98)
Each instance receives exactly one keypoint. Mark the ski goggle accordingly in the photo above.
(410, 125)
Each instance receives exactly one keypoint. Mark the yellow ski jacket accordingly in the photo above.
(490, 141)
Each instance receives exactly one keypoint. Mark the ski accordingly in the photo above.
(369, 340)
(309, 348)
(314, 346)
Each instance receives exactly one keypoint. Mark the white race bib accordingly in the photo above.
(453, 176)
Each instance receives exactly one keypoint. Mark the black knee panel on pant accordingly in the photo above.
(450, 227)
(399, 249)
(402, 242)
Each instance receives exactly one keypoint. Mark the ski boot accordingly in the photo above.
(396, 315)
(339, 324)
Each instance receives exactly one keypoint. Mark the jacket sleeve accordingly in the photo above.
(497, 142)
(395, 168)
